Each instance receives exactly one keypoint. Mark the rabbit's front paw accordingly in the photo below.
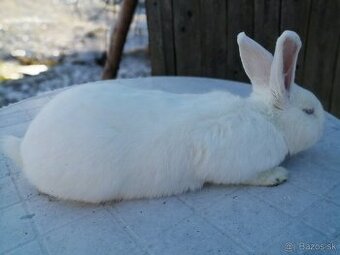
(272, 177)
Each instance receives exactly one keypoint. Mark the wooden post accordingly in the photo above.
(118, 38)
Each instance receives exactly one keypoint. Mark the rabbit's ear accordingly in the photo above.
(284, 63)
(256, 60)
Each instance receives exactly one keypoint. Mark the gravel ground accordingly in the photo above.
(70, 36)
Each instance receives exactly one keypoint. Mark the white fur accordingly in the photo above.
(101, 142)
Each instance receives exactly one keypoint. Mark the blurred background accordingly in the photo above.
(49, 44)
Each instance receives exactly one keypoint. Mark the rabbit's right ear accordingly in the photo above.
(284, 64)
(256, 60)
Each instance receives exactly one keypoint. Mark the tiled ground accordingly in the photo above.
(288, 219)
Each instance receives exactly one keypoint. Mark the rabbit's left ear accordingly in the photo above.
(256, 60)
(284, 63)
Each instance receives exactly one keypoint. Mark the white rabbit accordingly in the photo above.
(103, 142)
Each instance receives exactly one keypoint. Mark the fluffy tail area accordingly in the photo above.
(10, 145)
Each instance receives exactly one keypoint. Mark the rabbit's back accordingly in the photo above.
(98, 135)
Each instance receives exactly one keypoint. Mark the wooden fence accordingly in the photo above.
(198, 38)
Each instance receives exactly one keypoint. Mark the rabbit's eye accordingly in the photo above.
(308, 111)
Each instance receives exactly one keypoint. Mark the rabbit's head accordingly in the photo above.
(294, 110)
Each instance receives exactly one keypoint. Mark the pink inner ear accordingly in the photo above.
(289, 57)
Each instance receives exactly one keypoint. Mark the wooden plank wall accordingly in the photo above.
(198, 38)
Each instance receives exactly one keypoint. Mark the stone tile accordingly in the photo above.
(311, 177)
(336, 243)
(15, 228)
(33, 112)
(49, 94)
(4, 170)
(13, 118)
(11, 108)
(52, 93)
(16, 130)
(49, 213)
(8, 192)
(148, 218)
(34, 106)
(32, 248)
(286, 197)
(323, 216)
(194, 236)
(207, 196)
(26, 190)
(96, 234)
(331, 123)
(12, 168)
(35, 102)
(334, 194)
(324, 154)
(248, 220)
(295, 239)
